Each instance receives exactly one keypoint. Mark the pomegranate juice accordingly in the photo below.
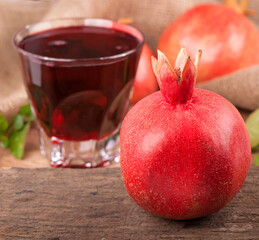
(77, 94)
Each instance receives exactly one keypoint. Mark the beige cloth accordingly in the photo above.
(151, 16)
(13, 16)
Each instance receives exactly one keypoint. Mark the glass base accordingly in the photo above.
(80, 154)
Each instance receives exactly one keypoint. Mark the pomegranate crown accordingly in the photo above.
(176, 84)
(239, 6)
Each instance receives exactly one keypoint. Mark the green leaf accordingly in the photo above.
(26, 111)
(3, 124)
(257, 160)
(257, 146)
(18, 122)
(4, 141)
(17, 140)
(252, 124)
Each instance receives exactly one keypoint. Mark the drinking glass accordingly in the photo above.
(79, 101)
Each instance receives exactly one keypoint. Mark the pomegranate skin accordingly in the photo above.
(145, 80)
(229, 41)
(187, 160)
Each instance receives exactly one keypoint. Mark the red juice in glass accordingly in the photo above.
(79, 78)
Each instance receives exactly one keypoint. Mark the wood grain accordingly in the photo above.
(93, 204)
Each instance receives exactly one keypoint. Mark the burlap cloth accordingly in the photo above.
(151, 16)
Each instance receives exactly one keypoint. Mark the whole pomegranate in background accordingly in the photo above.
(228, 39)
(185, 152)
(145, 80)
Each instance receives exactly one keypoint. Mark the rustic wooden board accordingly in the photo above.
(93, 204)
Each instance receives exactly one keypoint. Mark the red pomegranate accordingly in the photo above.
(185, 152)
(145, 80)
(228, 39)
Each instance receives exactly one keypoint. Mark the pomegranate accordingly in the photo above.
(229, 40)
(185, 152)
(145, 80)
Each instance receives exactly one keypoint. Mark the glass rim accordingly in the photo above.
(95, 22)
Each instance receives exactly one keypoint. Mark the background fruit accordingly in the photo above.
(252, 124)
(229, 40)
(145, 80)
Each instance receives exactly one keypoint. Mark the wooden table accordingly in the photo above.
(53, 204)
